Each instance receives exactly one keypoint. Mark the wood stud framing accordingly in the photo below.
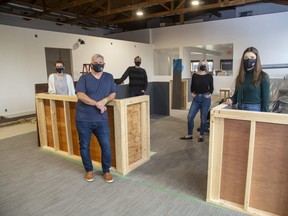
(248, 163)
(126, 149)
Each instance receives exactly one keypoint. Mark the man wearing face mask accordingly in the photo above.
(252, 90)
(60, 82)
(137, 78)
(94, 91)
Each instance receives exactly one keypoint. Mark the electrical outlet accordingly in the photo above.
(6, 110)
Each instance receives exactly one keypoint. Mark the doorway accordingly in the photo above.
(54, 54)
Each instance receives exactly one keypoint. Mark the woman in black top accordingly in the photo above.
(201, 91)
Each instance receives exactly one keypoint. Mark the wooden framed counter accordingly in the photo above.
(129, 122)
(248, 161)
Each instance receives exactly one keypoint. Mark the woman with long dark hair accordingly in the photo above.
(252, 89)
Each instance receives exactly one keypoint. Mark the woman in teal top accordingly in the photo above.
(252, 90)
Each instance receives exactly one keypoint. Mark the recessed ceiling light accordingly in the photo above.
(195, 3)
(139, 13)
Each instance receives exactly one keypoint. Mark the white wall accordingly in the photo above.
(265, 32)
(22, 61)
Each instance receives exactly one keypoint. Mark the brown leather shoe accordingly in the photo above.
(108, 177)
(89, 176)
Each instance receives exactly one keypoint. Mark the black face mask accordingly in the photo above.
(60, 70)
(98, 67)
(203, 67)
(249, 63)
(138, 63)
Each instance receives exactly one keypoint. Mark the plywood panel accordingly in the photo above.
(270, 169)
(110, 111)
(234, 160)
(61, 126)
(134, 133)
(75, 138)
(68, 127)
(41, 122)
(48, 123)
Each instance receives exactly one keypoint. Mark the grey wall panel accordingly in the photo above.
(161, 99)
(176, 88)
(122, 91)
(158, 93)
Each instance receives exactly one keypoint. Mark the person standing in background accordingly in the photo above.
(60, 82)
(137, 78)
(201, 90)
(94, 91)
(252, 89)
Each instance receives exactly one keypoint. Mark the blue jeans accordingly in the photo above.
(200, 102)
(250, 107)
(102, 132)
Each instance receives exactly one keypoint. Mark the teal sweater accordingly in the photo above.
(248, 93)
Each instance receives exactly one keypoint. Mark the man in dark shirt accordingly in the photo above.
(94, 91)
(137, 78)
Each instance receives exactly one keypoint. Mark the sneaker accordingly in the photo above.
(108, 177)
(89, 176)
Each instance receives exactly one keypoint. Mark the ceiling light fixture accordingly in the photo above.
(139, 13)
(195, 3)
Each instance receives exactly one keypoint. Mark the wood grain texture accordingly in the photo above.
(234, 160)
(48, 123)
(75, 137)
(134, 133)
(61, 126)
(270, 169)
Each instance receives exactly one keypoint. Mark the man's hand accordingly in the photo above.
(103, 102)
(101, 107)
